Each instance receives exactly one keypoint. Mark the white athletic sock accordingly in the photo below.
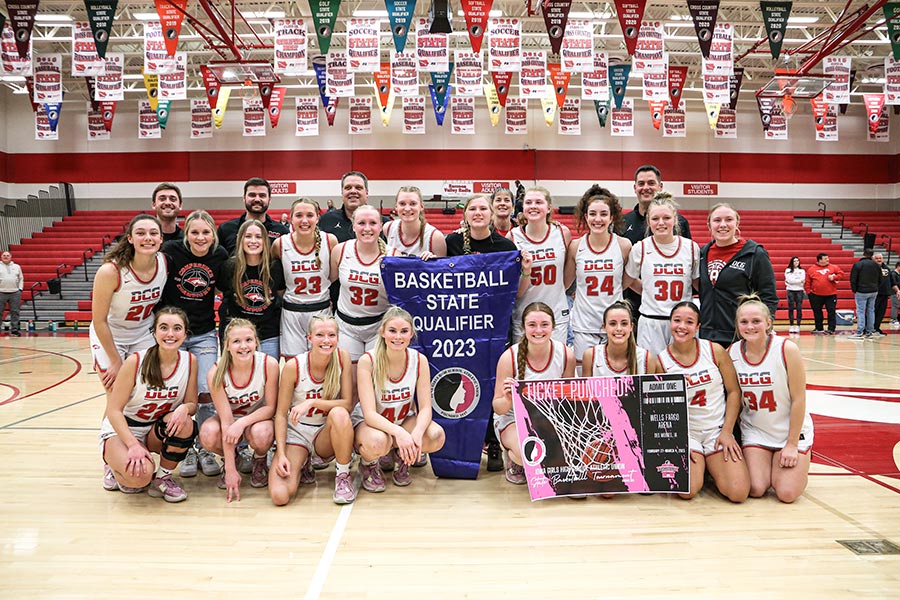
(341, 468)
(255, 455)
(162, 472)
(368, 463)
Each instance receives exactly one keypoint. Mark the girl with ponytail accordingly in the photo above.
(313, 415)
(536, 356)
(150, 410)
(620, 355)
(393, 416)
(244, 387)
(306, 263)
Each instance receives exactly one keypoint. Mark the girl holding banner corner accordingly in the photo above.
(620, 355)
(394, 411)
(536, 356)
(547, 241)
(713, 405)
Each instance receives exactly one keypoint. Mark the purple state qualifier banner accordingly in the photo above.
(461, 308)
(603, 435)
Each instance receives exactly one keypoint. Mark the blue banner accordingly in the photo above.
(440, 108)
(461, 308)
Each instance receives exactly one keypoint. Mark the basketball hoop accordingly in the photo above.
(787, 85)
(243, 73)
(789, 105)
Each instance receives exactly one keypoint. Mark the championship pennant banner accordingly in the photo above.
(603, 435)
(461, 308)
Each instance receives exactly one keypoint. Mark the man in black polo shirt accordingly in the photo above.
(257, 195)
(354, 193)
(166, 202)
(647, 182)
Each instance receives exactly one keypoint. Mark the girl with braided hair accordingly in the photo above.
(410, 234)
(306, 261)
(536, 356)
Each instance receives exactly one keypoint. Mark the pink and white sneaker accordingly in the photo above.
(386, 462)
(343, 489)
(109, 480)
(167, 488)
(400, 476)
(372, 477)
(307, 474)
(515, 474)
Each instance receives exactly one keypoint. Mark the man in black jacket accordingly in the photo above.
(257, 196)
(884, 293)
(865, 279)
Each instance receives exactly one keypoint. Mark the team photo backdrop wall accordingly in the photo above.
(603, 435)
(751, 170)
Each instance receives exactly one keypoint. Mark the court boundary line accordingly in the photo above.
(852, 471)
(78, 368)
(337, 533)
(822, 362)
(52, 410)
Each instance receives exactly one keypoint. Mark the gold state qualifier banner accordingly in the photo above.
(461, 308)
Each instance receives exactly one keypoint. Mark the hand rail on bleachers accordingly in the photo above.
(36, 284)
(84, 258)
(842, 216)
(822, 209)
(888, 246)
(866, 233)
(106, 240)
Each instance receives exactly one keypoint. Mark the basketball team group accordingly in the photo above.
(217, 396)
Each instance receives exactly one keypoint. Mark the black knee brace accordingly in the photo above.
(183, 444)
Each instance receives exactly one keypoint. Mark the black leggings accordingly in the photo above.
(795, 305)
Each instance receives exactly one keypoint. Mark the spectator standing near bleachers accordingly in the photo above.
(794, 280)
(821, 287)
(865, 278)
(166, 203)
(11, 283)
(895, 295)
(884, 293)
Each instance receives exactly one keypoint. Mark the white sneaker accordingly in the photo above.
(189, 464)
(208, 463)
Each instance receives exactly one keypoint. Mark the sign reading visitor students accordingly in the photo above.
(603, 435)
(461, 307)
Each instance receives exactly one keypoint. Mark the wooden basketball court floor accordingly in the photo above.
(63, 536)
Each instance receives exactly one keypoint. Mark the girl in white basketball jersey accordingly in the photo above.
(363, 301)
(713, 405)
(126, 288)
(776, 429)
(313, 415)
(306, 261)
(150, 410)
(547, 242)
(596, 262)
(537, 356)
(410, 234)
(668, 268)
(244, 388)
(620, 355)
(394, 411)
